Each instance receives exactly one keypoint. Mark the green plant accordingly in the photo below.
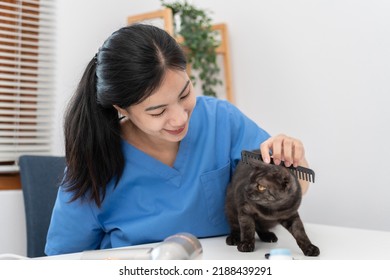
(199, 41)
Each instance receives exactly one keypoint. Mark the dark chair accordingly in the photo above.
(40, 178)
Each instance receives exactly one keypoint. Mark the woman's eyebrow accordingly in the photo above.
(151, 108)
(184, 88)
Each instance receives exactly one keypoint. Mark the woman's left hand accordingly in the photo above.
(288, 149)
(283, 148)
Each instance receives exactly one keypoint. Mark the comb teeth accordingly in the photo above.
(300, 172)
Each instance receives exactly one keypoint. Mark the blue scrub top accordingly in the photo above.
(153, 200)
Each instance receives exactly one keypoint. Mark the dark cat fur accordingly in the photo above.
(259, 197)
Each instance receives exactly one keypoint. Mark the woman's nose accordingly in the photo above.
(178, 116)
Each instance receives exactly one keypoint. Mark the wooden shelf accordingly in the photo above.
(10, 182)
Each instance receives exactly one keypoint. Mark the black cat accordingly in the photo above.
(259, 197)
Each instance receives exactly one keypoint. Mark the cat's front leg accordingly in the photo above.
(247, 228)
(295, 226)
(233, 238)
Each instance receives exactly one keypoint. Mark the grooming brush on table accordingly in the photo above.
(299, 171)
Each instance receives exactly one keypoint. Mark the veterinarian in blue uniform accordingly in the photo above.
(146, 158)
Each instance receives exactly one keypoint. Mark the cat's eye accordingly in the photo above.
(261, 188)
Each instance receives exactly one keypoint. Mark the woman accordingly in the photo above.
(146, 158)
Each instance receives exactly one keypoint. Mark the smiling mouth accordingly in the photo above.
(176, 132)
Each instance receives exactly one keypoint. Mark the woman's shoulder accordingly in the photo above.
(210, 100)
(208, 105)
(213, 104)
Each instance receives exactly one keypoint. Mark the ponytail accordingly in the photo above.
(92, 142)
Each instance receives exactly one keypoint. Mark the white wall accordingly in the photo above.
(314, 69)
(317, 70)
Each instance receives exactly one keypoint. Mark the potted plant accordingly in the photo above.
(200, 42)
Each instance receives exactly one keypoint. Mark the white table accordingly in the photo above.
(335, 243)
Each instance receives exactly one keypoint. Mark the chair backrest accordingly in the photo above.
(40, 178)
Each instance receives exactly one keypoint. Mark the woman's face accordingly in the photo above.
(165, 115)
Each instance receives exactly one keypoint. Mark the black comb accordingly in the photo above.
(300, 172)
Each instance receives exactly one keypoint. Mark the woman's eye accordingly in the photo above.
(159, 114)
(185, 96)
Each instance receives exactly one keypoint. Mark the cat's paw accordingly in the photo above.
(246, 246)
(232, 240)
(269, 237)
(312, 251)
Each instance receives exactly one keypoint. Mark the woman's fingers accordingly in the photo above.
(282, 148)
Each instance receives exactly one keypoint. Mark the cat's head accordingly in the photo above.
(272, 185)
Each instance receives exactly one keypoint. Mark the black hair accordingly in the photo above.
(127, 69)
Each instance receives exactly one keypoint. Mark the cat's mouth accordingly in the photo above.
(266, 197)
